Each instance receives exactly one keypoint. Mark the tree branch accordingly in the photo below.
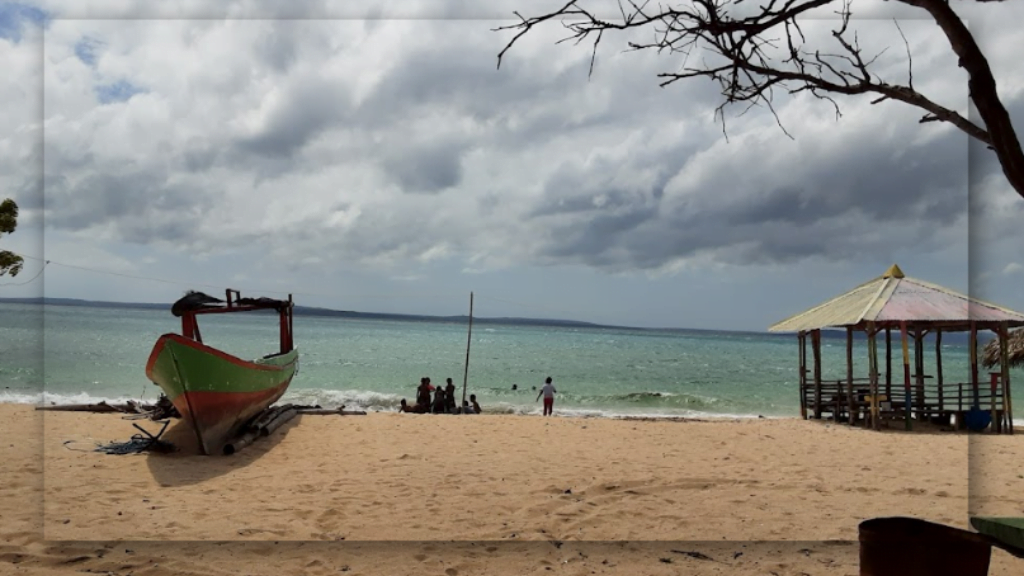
(753, 70)
(982, 89)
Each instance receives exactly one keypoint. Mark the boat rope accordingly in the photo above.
(30, 280)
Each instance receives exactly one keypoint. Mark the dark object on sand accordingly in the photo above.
(140, 443)
(266, 422)
(901, 546)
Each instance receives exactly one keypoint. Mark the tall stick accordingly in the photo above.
(888, 362)
(469, 339)
(906, 373)
(850, 396)
(1004, 364)
(938, 371)
(802, 339)
(873, 373)
(816, 350)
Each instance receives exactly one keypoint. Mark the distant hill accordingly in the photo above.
(327, 312)
(958, 338)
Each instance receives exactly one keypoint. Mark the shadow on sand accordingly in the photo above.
(189, 466)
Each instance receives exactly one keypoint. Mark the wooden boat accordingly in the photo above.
(219, 394)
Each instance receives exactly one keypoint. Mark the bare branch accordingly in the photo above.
(910, 59)
(763, 50)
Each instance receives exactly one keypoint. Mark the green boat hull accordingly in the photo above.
(215, 391)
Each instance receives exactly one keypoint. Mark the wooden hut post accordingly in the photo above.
(816, 350)
(801, 338)
(888, 362)
(1004, 367)
(851, 396)
(919, 373)
(906, 373)
(938, 370)
(873, 373)
(972, 345)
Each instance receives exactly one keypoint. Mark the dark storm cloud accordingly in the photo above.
(843, 201)
(427, 168)
(144, 206)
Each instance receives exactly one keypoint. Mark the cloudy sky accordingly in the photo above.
(376, 160)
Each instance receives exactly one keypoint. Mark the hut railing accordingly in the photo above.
(930, 401)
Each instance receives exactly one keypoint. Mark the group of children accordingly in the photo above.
(443, 401)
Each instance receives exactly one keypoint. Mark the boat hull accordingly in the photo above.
(217, 393)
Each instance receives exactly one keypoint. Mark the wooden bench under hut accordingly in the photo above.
(913, 309)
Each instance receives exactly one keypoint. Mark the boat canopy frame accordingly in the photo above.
(196, 303)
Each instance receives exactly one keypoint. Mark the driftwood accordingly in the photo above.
(328, 412)
(98, 407)
(162, 410)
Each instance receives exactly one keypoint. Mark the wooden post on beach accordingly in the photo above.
(469, 339)
(873, 373)
(1004, 367)
(919, 372)
(938, 370)
(972, 344)
(888, 362)
(906, 374)
(801, 338)
(816, 350)
(851, 395)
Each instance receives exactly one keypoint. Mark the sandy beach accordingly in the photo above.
(392, 493)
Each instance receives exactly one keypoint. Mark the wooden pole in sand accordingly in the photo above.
(816, 350)
(873, 373)
(973, 345)
(1004, 366)
(919, 371)
(906, 374)
(469, 339)
(888, 362)
(802, 339)
(938, 371)
(850, 395)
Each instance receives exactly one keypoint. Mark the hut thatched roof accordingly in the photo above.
(1015, 347)
(894, 297)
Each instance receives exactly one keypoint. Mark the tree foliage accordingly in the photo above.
(762, 50)
(10, 263)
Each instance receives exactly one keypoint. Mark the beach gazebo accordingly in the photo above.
(914, 308)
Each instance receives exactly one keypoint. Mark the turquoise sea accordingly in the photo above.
(71, 354)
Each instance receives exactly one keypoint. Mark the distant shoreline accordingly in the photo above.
(951, 338)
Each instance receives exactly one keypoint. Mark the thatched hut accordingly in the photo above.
(1015, 350)
(912, 308)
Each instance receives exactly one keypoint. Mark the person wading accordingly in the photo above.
(548, 392)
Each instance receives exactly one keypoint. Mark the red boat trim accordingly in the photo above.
(203, 401)
(209, 350)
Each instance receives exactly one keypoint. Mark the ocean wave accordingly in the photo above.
(51, 399)
(371, 401)
(351, 399)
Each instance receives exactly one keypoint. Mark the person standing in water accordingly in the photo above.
(548, 391)
(449, 397)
